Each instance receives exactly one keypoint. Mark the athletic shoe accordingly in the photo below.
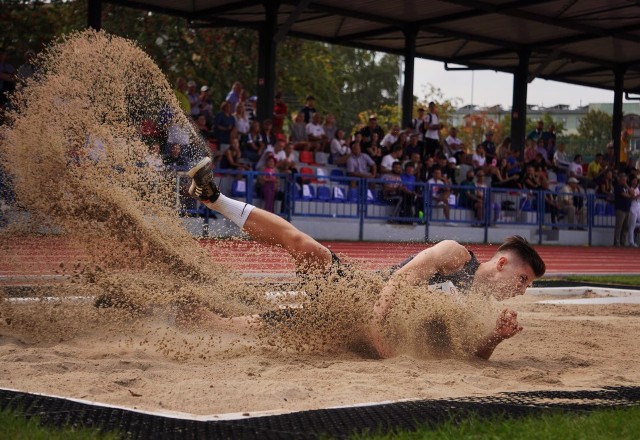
(202, 186)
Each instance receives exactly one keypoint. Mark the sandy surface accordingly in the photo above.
(561, 347)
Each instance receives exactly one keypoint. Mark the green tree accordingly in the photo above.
(595, 129)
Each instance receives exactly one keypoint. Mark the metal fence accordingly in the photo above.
(365, 200)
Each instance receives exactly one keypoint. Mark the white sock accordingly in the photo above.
(234, 210)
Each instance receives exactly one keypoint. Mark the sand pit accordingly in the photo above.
(561, 348)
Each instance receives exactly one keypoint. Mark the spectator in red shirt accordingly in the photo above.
(280, 112)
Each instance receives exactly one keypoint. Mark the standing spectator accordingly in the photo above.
(269, 182)
(280, 112)
(495, 208)
(298, 133)
(368, 131)
(181, 94)
(432, 134)
(315, 133)
(223, 125)
(394, 192)
(489, 147)
(537, 132)
(308, 110)
(233, 97)
(634, 211)
(194, 99)
(339, 149)
(418, 127)
(622, 200)
(359, 164)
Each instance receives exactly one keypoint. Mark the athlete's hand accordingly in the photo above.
(507, 324)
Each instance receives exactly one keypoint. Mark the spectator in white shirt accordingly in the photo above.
(316, 134)
(386, 166)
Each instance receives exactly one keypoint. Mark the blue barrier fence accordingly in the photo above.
(340, 196)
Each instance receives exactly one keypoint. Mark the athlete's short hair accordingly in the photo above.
(525, 252)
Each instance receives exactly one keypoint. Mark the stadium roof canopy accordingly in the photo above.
(581, 42)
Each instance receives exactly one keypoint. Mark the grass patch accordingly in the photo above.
(15, 426)
(619, 424)
(626, 280)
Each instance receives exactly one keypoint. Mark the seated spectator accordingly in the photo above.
(530, 151)
(471, 197)
(596, 170)
(393, 189)
(439, 191)
(504, 150)
(374, 149)
(453, 145)
(551, 205)
(368, 131)
(604, 190)
(268, 136)
(288, 164)
(412, 147)
(505, 178)
(531, 179)
(390, 138)
(479, 158)
(387, 161)
(175, 157)
(203, 128)
(416, 162)
(561, 160)
(315, 133)
(223, 125)
(514, 166)
(254, 145)
(206, 105)
(154, 159)
(232, 158)
(571, 202)
(339, 149)
(298, 133)
(280, 112)
(540, 166)
(450, 169)
(242, 124)
(330, 128)
(270, 150)
(428, 163)
(360, 164)
(541, 148)
(495, 208)
(575, 169)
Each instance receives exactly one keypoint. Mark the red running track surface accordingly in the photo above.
(44, 255)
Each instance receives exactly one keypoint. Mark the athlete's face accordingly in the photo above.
(511, 278)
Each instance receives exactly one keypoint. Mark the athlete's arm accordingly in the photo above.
(445, 258)
(506, 327)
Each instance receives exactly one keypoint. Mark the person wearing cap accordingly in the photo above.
(308, 110)
(571, 203)
(432, 133)
(280, 111)
(368, 131)
(194, 98)
(233, 97)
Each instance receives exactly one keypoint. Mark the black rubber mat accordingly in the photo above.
(335, 423)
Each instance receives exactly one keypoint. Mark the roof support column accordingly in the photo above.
(519, 104)
(267, 61)
(94, 14)
(409, 63)
(616, 126)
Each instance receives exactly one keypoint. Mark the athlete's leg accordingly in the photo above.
(263, 226)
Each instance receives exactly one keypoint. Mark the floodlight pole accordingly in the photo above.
(616, 125)
(409, 65)
(519, 103)
(94, 14)
(267, 61)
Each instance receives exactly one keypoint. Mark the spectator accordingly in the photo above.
(634, 212)
(571, 203)
(530, 151)
(269, 183)
(269, 150)
(449, 169)
(390, 138)
(479, 159)
(254, 147)
(181, 95)
(233, 97)
(514, 167)
(551, 205)
(268, 136)
(298, 133)
(418, 127)
(596, 170)
(315, 133)
(494, 207)
(387, 161)
(537, 132)
(360, 164)
(604, 190)
(288, 163)
(175, 157)
(232, 158)
(368, 131)
(280, 112)
(541, 149)
(413, 147)
(432, 133)
(194, 99)
(575, 167)
(223, 125)
(506, 178)
(251, 108)
(206, 106)
(340, 151)
(453, 145)
(374, 150)
(440, 192)
(203, 128)
(504, 150)
(309, 109)
(561, 160)
(412, 202)
(330, 128)
(392, 190)
(531, 179)
(489, 147)
(472, 197)
(242, 124)
(609, 157)
(154, 159)
(622, 197)
(428, 163)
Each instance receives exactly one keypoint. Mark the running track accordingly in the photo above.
(43, 256)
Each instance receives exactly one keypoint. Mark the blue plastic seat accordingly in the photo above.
(323, 193)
